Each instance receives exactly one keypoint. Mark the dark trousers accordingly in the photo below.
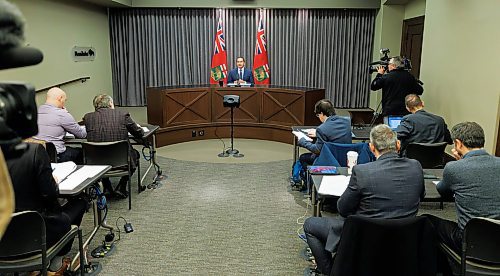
(71, 154)
(450, 234)
(307, 159)
(122, 185)
(317, 230)
(58, 224)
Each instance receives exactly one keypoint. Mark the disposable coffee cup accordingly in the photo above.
(352, 160)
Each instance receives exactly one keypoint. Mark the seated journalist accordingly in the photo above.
(333, 128)
(240, 74)
(390, 187)
(473, 180)
(36, 189)
(421, 126)
(53, 123)
(108, 124)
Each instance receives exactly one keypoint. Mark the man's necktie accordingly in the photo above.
(241, 74)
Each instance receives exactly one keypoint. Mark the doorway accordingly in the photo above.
(411, 42)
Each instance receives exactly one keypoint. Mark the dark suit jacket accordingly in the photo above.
(335, 129)
(422, 127)
(390, 187)
(233, 75)
(35, 189)
(395, 86)
(108, 125)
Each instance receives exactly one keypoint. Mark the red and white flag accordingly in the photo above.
(218, 71)
(261, 72)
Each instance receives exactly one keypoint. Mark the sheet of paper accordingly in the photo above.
(79, 176)
(69, 184)
(143, 128)
(333, 185)
(62, 170)
(300, 135)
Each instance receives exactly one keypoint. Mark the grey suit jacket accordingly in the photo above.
(390, 187)
(335, 129)
(475, 183)
(422, 127)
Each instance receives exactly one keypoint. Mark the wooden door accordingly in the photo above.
(411, 42)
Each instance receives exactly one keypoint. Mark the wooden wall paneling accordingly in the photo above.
(187, 106)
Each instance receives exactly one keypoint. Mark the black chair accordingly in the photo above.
(373, 246)
(430, 155)
(480, 248)
(23, 247)
(117, 155)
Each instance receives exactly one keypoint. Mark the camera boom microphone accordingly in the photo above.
(12, 53)
(19, 57)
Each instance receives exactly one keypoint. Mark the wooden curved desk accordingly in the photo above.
(195, 112)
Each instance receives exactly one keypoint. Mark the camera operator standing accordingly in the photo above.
(395, 84)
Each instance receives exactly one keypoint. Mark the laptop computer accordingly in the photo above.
(394, 121)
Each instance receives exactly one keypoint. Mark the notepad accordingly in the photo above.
(61, 170)
(334, 185)
(301, 135)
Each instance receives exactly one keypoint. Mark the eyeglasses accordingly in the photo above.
(317, 115)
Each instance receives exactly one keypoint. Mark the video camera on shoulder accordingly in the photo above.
(384, 61)
(18, 111)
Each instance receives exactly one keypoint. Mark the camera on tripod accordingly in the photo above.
(384, 61)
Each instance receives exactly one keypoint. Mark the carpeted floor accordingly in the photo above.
(210, 219)
(213, 219)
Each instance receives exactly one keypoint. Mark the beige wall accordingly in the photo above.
(55, 27)
(414, 8)
(460, 61)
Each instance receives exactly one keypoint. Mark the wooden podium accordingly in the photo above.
(194, 112)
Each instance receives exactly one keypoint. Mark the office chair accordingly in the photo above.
(117, 155)
(375, 246)
(335, 154)
(480, 248)
(23, 247)
(49, 147)
(430, 155)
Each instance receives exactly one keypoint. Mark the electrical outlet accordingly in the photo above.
(201, 132)
(193, 133)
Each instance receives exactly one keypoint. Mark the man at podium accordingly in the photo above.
(240, 74)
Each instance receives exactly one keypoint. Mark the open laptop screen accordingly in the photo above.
(394, 121)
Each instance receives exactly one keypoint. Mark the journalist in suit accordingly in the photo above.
(240, 74)
(334, 128)
(421, 126)
(390, 187)
(473, 181)
(108, 124)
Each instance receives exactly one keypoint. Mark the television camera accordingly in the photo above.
(384, 61)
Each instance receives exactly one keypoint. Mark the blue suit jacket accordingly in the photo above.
(335, 129)
(233, 75)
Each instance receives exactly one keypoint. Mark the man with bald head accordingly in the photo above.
(53, 123)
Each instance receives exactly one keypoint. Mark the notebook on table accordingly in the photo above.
(323, 170)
